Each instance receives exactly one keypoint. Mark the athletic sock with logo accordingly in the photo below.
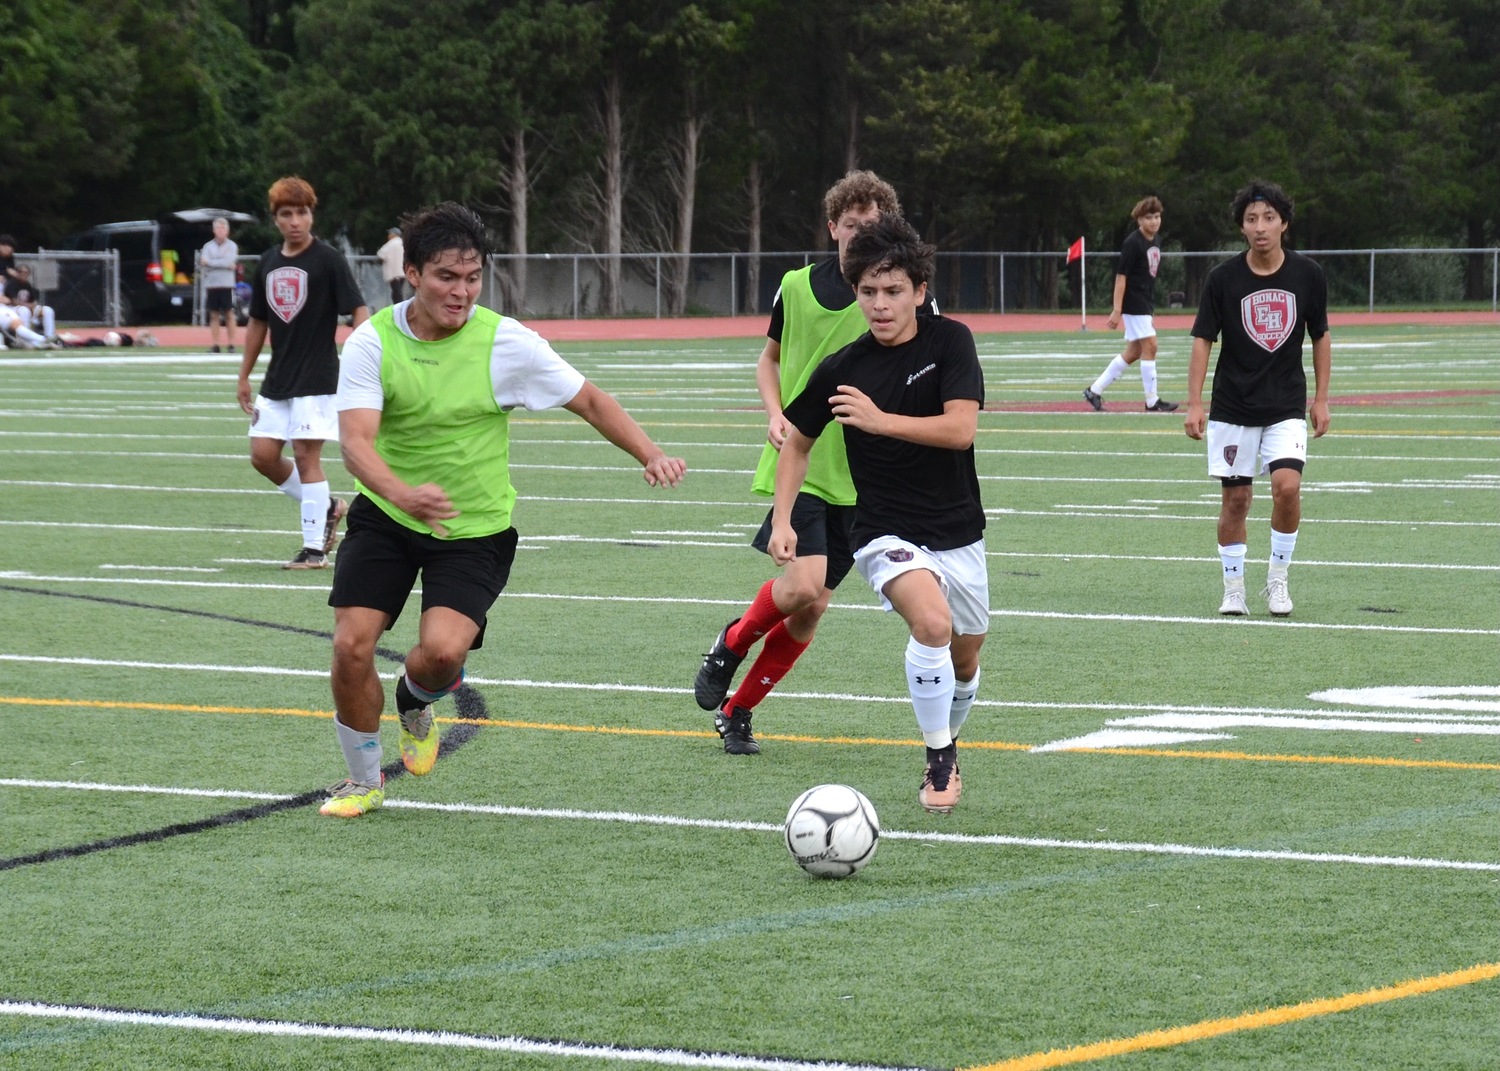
(1232, 558)
(776, 659)
(1148, 381)
(1282, 545)
(1109, 375)
(361, 753)
(760, 618)
(315, 501)
(929, 678)
(963, 699)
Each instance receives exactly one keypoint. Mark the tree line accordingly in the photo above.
(617, 126)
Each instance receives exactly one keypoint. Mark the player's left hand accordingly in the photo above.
(1320, 418)
(665, 470)
(853, 407)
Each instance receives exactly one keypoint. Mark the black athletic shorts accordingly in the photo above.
(822, 531)
(219, 299)
(378, 562)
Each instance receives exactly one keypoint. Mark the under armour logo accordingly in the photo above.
(928, 680)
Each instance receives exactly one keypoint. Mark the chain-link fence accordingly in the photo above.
(84, 287)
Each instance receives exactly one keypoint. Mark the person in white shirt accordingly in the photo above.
(218, 260)
(393, 265)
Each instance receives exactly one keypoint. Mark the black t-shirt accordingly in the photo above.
(833, 293)
(926, 495)
(19, 293)
(7, 265)
(301, 298)
(1139, 261)
(1259, 379)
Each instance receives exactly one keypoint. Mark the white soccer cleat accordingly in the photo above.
(1278, 599)
(1234, 602)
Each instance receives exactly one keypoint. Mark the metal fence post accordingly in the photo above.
(1372, 280)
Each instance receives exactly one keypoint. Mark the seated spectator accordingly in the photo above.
(22, 298)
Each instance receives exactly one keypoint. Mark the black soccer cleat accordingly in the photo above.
(1096, 400)
(717, 672)
(734, 727)
(1161, 405)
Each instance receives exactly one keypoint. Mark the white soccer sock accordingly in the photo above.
(1148, 381)
(314, 513)
(929, 679)
(1109, 375)
(27, 335)
(963, 699)
(361, 753)
(1232, 557)
(1282, 545)
(292, 486)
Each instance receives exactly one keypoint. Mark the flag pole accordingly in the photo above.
(1083, 286)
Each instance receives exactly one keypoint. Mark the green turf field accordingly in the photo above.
(1185, 841)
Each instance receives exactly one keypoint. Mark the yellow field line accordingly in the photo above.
(1209, 1028)
(614, 730)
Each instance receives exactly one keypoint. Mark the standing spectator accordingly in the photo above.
(425, 394)
(302, 287)
(7, 259)
(1263, 301)
(218, 261)
(907, 394)
(392, 265)
(1135, 293)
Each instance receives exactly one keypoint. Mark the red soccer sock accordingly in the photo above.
(757, 621)
(776, 660)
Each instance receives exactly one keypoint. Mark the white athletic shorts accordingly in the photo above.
(313, 416)
(1238, 450)
(962, 574)
(1137, 327)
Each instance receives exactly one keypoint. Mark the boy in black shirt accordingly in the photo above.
(907, 394)
(302, 287)
(1135, 304)
(1263, 301)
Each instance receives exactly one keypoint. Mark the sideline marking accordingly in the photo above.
(795, 738)
(1405, 862)
(1258, 1020)
(440, 1038)
(1214, 620)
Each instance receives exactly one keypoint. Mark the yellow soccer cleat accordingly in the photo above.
(350, 799)
(419, 741)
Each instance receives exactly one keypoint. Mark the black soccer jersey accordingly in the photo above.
(301, 298)
(926, 495)
(1139, 261)
(1259, 379)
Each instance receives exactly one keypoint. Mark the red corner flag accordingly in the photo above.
(1075, 251)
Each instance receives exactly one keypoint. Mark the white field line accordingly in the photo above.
(985, 839)
(1411, 710)
(518, 437)
(1214, 620)
(737, 531)
(666, 499)
(434, 1038)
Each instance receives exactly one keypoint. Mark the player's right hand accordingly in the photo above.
(430, 505)
(1195, 424)
(246, 397)
(776, 430)
(782, 545)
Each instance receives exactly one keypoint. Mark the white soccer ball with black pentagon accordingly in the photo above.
(832, 831)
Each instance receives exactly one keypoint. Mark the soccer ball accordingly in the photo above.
(112, 338)
(832, 831)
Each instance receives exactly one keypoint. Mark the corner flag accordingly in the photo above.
(1075, 252)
